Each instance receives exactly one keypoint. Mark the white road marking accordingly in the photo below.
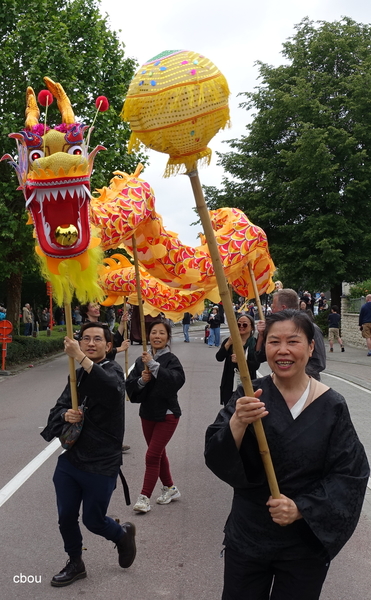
(14, 484)
(348, 382)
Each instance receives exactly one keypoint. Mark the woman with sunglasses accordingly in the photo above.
(230, 377)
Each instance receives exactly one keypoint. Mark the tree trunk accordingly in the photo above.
(13, 302)
(336, 293)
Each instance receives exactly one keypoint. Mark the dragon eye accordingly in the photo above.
(35, 154)
(75, 150)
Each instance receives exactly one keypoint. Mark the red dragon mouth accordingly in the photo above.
(60, 211)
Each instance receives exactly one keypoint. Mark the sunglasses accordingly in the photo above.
(242, 325)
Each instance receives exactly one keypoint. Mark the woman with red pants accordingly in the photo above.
(154, 383)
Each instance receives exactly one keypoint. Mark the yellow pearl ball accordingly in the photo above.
(66, 235)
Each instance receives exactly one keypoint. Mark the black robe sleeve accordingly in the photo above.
(332, 508)
(319, 462)
(221, 453)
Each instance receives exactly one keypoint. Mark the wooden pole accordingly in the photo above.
(236, 338)
(125, 338)
(256, 292)
(139, 294)
(51, 312)
(71, 361)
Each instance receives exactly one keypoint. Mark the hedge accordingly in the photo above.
(27, 349)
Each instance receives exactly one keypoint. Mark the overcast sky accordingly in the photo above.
(233, 34)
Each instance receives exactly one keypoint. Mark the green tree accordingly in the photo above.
(70, 42)
(303, 171)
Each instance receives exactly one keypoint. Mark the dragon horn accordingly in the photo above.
(32, 110)
(63, 102)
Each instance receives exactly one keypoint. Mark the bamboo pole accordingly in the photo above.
(71, 361)
(232, 323)
(139, 294)
(256, 292)
(125, 338)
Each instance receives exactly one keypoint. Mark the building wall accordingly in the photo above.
(350, 332)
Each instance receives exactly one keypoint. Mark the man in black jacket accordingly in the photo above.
(86, 474)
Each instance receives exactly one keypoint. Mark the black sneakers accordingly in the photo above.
(126, 546)
(74, 569)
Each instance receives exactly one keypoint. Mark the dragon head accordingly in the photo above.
(54, 170)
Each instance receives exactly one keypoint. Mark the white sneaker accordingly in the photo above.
(142, 504)
(168, 494)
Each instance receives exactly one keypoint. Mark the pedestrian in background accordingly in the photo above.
(322, 302)
(231, 377)
(27, 319)
(45, 319)
(77, 316)
(186, 321)
(110, 317)
(304, 306)
(214, 322)
(365, 322)
(156, 389)
(334, 328)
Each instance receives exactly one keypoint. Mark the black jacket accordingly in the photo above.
(214, 321)
(253, 363)
(99, 446)
(160, 394)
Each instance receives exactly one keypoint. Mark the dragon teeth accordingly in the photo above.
(42, 194)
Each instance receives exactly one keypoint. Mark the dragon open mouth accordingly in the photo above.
(60, 211)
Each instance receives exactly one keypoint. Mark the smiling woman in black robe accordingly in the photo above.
(281, 548)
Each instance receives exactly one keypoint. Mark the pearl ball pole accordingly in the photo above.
(232, 323)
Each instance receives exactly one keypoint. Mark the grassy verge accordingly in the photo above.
(28, 349)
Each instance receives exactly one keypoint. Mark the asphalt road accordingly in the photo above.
(178, 544)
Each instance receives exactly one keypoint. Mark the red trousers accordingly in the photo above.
(157, 435)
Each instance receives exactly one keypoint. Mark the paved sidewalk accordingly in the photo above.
(353, 365)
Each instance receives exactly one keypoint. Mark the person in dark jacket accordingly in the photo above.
(186, 321)
(281, 547)
(86, 474)
(214, 321)
(154, 382)
(230, 378)
(364, 322)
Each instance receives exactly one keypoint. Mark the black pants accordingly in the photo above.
(75, 487)
(249, 579)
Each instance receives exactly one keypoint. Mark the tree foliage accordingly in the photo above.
(360, 289)
(303, 171)
(70, 42)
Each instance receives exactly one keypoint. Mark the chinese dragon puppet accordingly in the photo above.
(73, 227)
